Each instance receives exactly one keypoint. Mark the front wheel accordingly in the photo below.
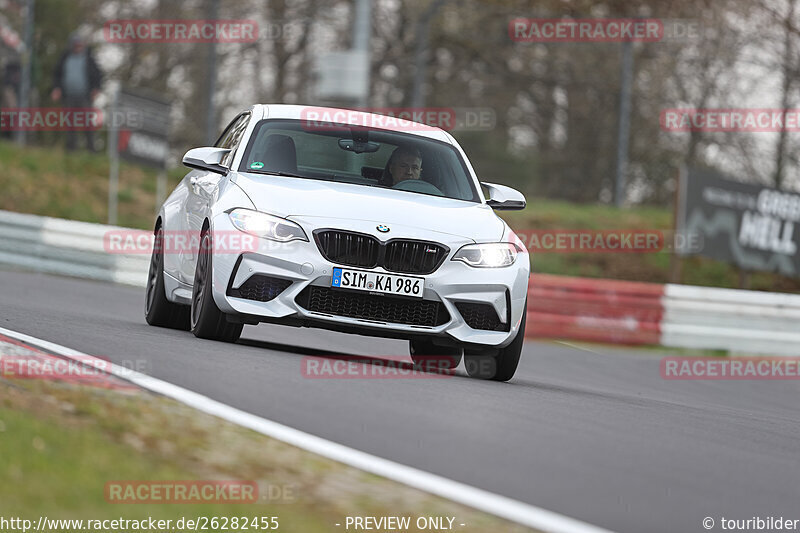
(208, 322)
(500, 367)
(431, 357)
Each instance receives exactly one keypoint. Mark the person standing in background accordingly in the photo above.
(9, 98)
(77, 81)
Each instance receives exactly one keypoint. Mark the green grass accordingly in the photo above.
(56, 464)
(61, 444)
(557, 214)
(51, 182)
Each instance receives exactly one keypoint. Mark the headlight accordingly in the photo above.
(491, 255)
(267, 226)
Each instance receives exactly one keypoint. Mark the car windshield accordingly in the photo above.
(360, 156)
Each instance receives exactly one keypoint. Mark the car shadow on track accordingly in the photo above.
(386, 365)
(280, 347)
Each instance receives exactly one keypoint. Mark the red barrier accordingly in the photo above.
(600, 310)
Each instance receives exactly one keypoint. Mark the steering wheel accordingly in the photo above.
(418, 186)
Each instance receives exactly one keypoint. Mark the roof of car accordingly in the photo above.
(354, 117)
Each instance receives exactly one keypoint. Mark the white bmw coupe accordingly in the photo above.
(356, 223)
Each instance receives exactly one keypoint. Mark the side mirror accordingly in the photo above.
(207, 158)
(504, 198)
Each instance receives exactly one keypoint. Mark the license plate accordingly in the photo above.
(344, 278)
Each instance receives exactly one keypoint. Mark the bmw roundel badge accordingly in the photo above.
(383, 228)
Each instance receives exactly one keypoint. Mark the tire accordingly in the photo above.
(431, 357)
(500, 367)
(207, 321)
(158, 311)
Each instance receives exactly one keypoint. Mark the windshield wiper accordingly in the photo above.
(282, 173)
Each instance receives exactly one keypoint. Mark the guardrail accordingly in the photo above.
(676, 316)
(620, 312)
(67, 247)
(735, 320)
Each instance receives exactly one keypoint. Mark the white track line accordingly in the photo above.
(482, 500)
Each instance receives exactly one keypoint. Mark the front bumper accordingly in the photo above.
(302, 264)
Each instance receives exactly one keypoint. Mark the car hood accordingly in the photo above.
(366, 207)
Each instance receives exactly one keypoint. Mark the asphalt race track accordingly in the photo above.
(594, 434)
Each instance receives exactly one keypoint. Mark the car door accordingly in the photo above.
(203, 190)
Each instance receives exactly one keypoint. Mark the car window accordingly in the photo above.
(226, 134)
(291, 147)
(232, 137)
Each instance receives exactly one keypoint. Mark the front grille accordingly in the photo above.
(481, 316)
(354, 249)
(260, 288)
(365, 251)
(413, 257)
(371, 307)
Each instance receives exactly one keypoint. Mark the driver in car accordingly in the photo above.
(405, 163)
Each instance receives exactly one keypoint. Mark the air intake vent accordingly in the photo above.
(481, 316)
(260, 288)
(371, 307)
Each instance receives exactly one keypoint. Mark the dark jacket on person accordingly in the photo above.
(92, 70)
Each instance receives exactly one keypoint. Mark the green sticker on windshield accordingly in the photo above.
(255, 165)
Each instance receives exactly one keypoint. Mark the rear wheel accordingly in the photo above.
(208, 322)
(431, 357)
(500, 367)
(158, 311)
